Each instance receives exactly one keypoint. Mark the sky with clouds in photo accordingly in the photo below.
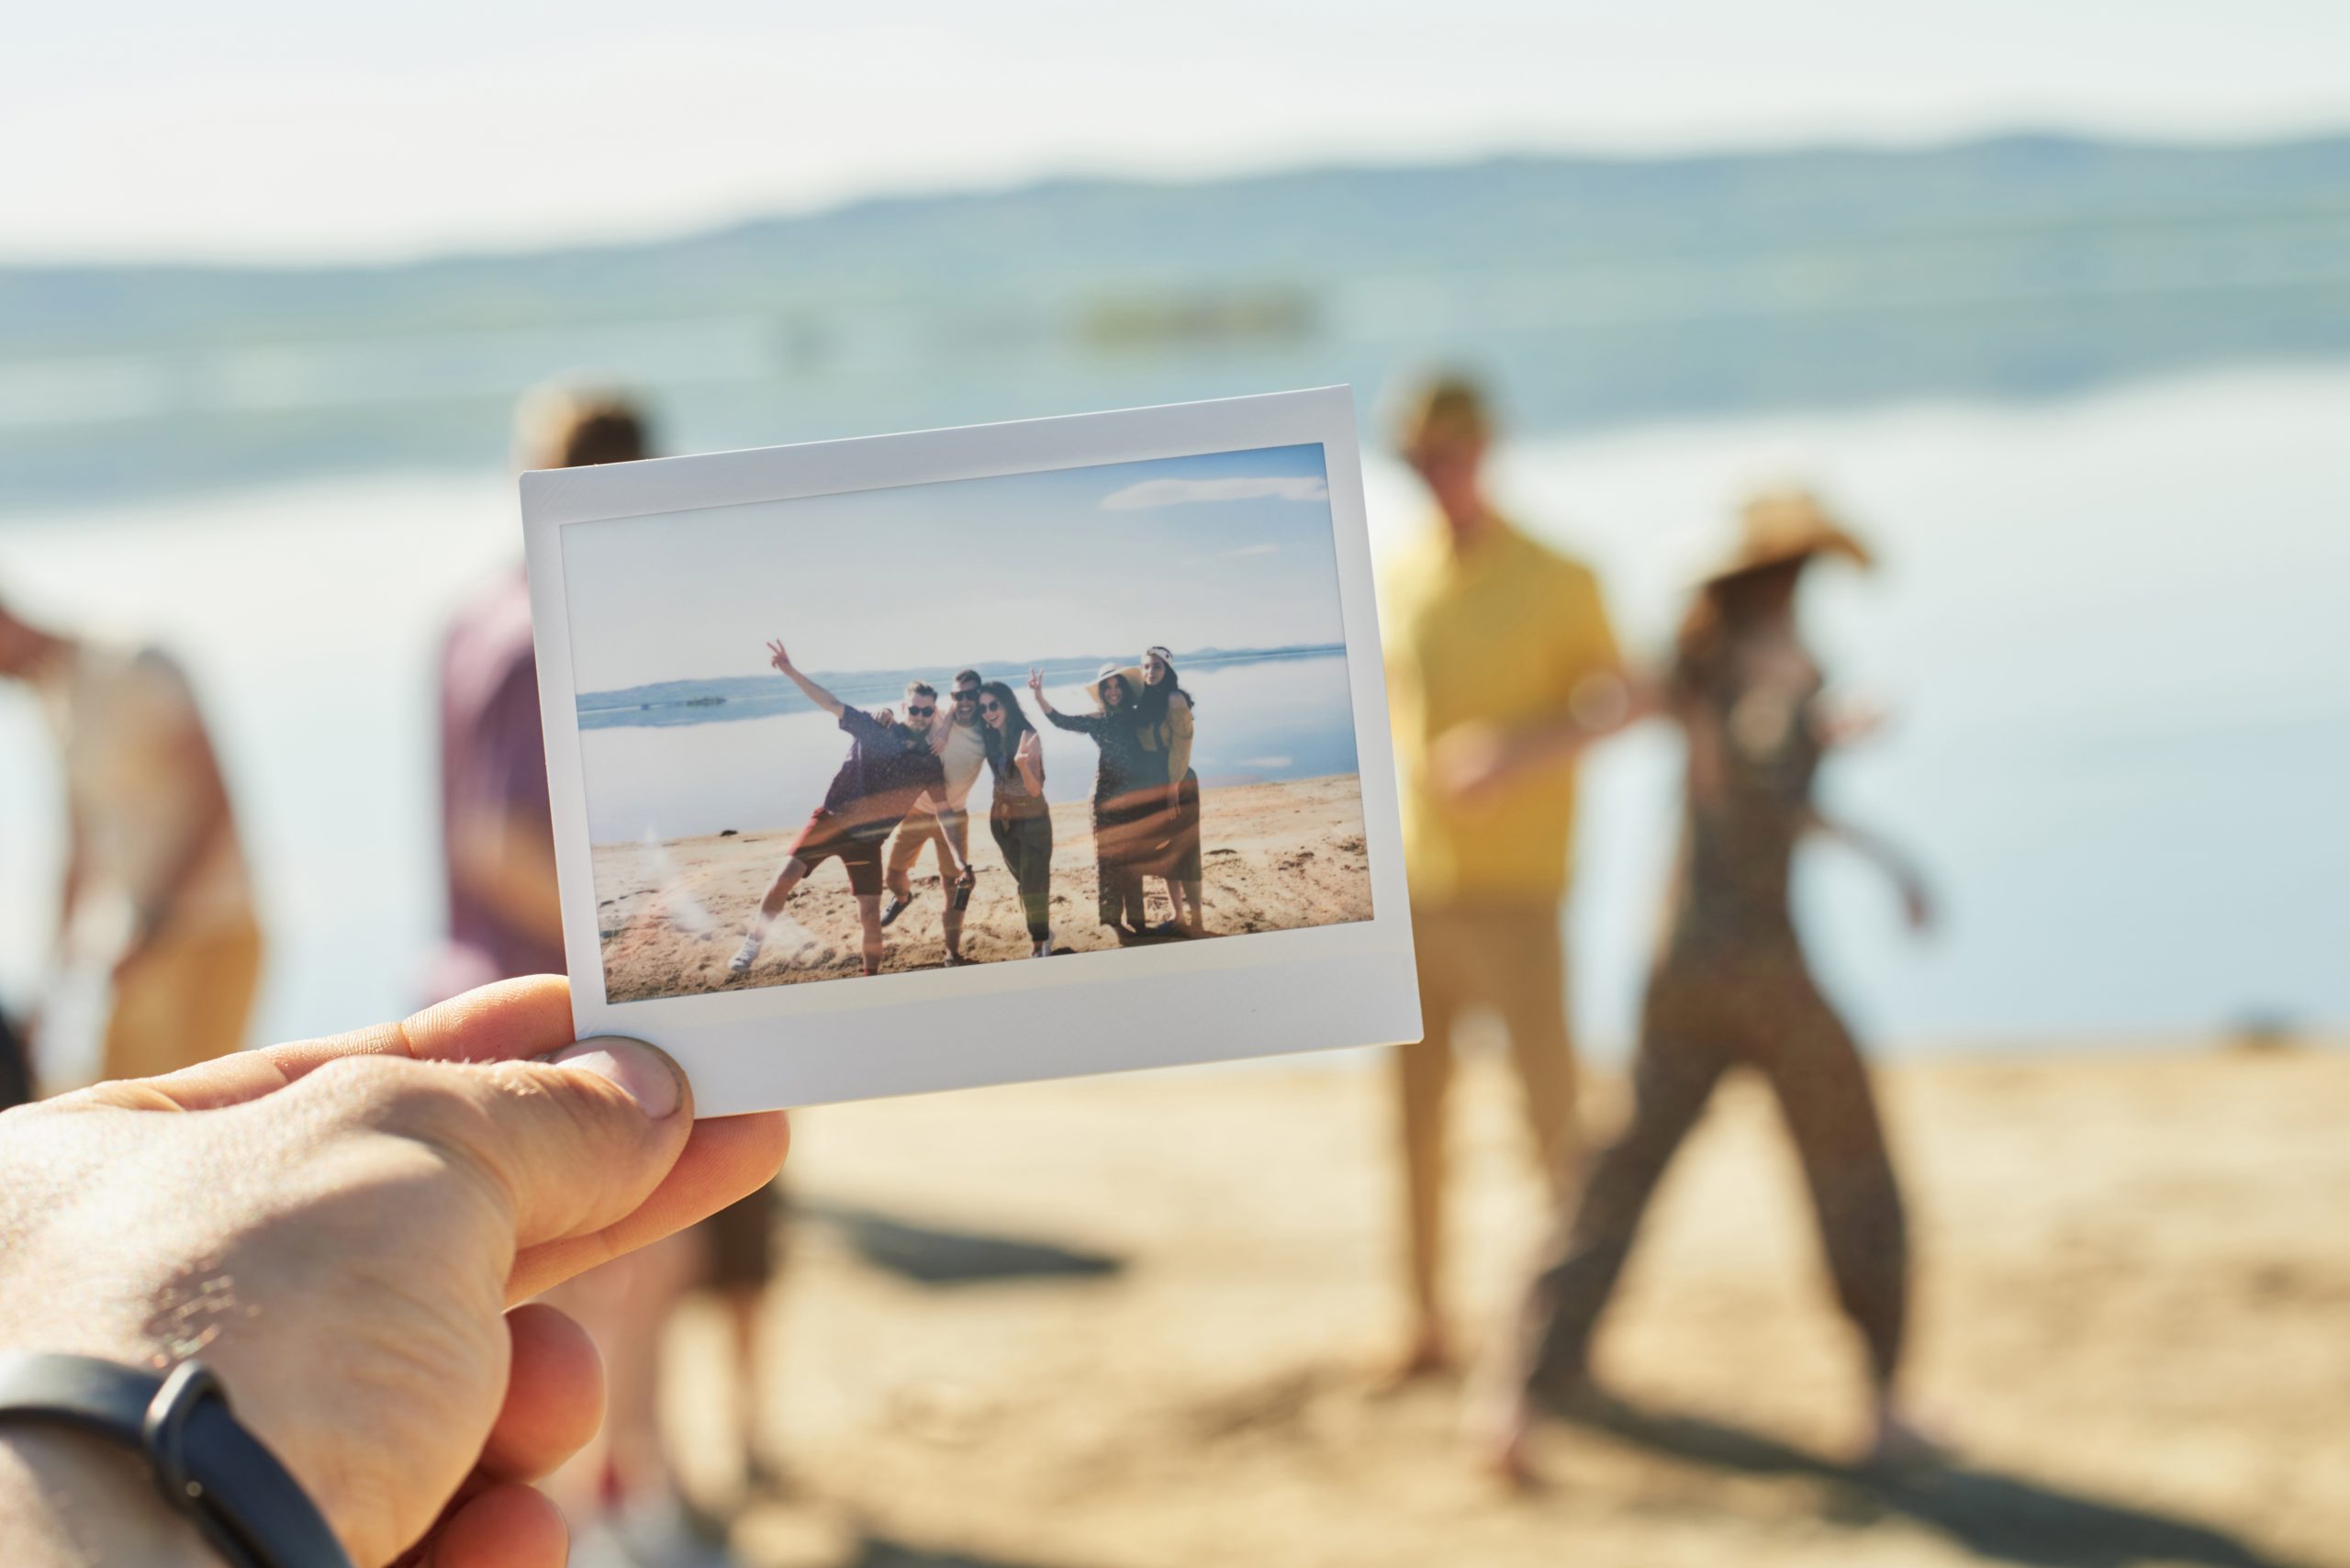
(1230, 550)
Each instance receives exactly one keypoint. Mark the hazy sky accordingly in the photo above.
(285, 129)
(1228, 550)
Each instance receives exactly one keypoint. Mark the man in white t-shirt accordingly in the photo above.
(156, 900)
(961, 746)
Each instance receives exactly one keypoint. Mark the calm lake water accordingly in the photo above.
(1285, 718)
(2111, 632)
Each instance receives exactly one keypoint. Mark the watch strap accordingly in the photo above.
(207, 1467)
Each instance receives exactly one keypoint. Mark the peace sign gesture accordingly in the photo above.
(778, 656)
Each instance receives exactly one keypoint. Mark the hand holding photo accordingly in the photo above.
(756, 664)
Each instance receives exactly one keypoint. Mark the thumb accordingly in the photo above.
(572, 1143)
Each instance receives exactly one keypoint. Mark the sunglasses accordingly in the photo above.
(914, 712)
(990, 707)
(970, 696)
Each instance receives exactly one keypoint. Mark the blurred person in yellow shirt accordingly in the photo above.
(1502, 666)
(156, 914)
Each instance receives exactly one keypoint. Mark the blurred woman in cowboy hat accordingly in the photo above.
(1730, 986)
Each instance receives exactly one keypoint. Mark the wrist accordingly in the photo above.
(70, 1500)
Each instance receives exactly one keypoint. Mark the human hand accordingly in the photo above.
(1470, 763)
(1029, 748)
(1036, 681)
(1848, 721)
(341, 1231)
(779, 657)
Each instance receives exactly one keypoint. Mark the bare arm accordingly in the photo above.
(195, 760)
(505, 858)
(1917, 905)
(823, 698)
(76, 880)
(1474, 761)
(1179, 747)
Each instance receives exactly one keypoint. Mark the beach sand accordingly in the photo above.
(1276, 855)
(1127, 1323)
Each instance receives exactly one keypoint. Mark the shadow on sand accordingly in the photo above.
(934, 1255)
(1991, 1515)
(879, 1551)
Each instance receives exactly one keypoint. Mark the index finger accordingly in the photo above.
(510, 1021)
(723, 1159)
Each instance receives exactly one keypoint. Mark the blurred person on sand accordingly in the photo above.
(506, 920)
(1502, 665)
(890, 772)
(1129, 789)
(1165, 714)
(157, 910)
(347, 1233)
(962, 751)
(1730, 986)
(1019, 816)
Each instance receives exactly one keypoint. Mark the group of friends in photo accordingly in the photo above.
(907, 782)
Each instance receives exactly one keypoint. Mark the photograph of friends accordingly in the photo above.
(1021, 718)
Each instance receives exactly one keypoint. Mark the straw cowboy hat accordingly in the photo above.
(1779, 526)
(1131, 673)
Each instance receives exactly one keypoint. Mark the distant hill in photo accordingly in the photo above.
(1594, 291)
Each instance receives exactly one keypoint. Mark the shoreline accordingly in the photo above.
(1276, 857)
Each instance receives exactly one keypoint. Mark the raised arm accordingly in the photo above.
(1030, 760)
(1084, 724)
(778, 656)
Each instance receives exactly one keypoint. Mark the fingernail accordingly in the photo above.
(643, 1074)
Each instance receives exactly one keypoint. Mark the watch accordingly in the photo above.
(206, 1465)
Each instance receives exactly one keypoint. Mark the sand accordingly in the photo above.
(1276, 857)
(2133, 1318)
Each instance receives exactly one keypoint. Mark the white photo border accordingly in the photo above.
(1264, 993)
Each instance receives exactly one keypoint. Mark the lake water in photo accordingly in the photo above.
(1259, 719)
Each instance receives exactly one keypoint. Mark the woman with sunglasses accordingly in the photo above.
(1020, 821)
(1128, 789)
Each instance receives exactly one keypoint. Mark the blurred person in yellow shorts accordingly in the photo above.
(1501, 664)
(156, 915)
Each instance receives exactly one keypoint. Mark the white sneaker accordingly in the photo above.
(744, 956)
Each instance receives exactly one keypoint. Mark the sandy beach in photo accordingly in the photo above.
(1278, 856)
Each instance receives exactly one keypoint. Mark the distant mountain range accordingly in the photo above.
(664, 703)
(1593, 290)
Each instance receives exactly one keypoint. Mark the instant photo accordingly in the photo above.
(974, 756)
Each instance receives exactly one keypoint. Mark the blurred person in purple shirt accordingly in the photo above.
(506, 919)
(497, 844)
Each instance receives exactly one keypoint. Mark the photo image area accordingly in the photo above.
(703, 765)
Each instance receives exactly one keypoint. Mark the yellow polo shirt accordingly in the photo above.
(1503, 635)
